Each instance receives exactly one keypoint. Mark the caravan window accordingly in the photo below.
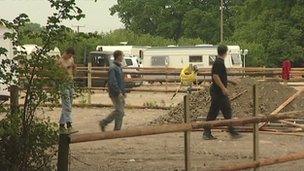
(158, 60)
(195, 58)
(212, 59)
(236, 60)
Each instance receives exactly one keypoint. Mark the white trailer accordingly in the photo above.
(30, 48)
(202, 56)
(7, 44)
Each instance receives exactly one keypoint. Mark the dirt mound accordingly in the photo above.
(270, 96)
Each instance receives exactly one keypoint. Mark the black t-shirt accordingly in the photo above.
(219, 69)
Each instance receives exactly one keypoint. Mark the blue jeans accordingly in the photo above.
(66, 102)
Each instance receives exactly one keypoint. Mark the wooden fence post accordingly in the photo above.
(14, 98)
(187, 134)
(89, 81)
(264, 71)
(63, 152)
(166, 76)
(255, 126)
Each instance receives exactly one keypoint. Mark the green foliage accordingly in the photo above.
(271, 30)
(86, 42)
(174, 19)
(30, 152)
(27, 142)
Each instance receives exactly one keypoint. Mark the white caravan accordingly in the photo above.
(7, 44)
(30, 48)
(202, 56)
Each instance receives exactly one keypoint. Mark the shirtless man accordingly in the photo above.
(67, 62)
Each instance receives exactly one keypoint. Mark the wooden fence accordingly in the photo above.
(166, 75)
(65, 140)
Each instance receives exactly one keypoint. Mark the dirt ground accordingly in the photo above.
(165, 152)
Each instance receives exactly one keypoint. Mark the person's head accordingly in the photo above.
(69, 53)
(222, 50)
(118, 56)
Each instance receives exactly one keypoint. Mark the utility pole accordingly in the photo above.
(222, 21)
(78, 27)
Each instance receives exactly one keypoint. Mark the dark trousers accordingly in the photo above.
(219, 102)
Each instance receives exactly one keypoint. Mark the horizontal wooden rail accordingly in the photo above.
(170, 68)
(200, 79)
(264, 162)
(103, 106)
(162, 129)
(150, 90)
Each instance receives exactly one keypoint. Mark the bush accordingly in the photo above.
(26, 149)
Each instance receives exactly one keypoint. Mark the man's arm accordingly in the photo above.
(218, 82)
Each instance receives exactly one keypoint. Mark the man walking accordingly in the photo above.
(219, 94)
(67, 63)
(117, 93)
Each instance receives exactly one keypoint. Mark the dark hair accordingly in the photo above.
(70, 50)
(222, 49)
(117, 53)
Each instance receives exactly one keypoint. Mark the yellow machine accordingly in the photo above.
(188, 76)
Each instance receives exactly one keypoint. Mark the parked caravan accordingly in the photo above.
(202, 56)
(30, 48)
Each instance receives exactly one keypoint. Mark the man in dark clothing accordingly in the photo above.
(117, 92)
(219, 94)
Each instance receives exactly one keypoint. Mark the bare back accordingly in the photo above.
(68, 65)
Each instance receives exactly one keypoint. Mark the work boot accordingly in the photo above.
(233, 133)
(208, 136)
(102, 126)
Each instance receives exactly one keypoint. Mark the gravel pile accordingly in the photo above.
(270, 96)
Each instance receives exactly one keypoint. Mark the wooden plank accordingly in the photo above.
(89, 81)
(292, 124)
(255, 126)
(187, 134)
(63, 152)
(264, 162)
(170, 128)
(283, 105)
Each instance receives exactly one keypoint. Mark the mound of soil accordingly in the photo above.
(270, 96)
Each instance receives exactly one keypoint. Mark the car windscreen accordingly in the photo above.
(99, 59)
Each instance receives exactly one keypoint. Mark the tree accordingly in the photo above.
(174, 19)
(272, 31)
(27, 142)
